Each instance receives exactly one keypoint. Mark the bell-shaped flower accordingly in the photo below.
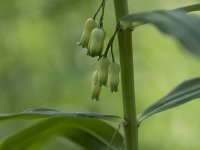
(96, 88)
(113, 77)
(96, 42)
(103, 70)
(90, 24)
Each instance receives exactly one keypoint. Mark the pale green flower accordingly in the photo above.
(96, 42)
(103, 70)
(96, 88)
(90, 24)
(113, 77)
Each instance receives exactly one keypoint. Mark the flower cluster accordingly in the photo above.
(92, 38)
(107, 72)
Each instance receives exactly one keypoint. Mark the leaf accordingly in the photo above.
(185, 92)
(185, 28)
(85, 129)
(89, 133)
(52, 113)
(190, 8)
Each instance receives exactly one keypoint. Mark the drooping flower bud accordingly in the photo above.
(96, 88)
(113, 77)
(103, 70)
(90, 24)
(96, 42)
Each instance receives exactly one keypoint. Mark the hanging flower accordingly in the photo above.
(96, 88)
(96, 42)
(103, 70)
(90, 24)
(113, 78)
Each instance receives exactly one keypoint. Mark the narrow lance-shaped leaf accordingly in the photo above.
(52, 113)
(185, 92)
(190, 8)
(89, 133)
(76, 126)
(176, 23)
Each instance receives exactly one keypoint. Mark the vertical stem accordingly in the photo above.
(127, 78)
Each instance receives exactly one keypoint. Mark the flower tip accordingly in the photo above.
(92, 55)
(113, 89)
(78, 43)
(94, 98)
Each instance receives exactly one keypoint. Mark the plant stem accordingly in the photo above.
(127, 78)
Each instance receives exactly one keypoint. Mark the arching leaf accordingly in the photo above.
(52, 113)
(176, 23)
(185, 92)
(89, 133)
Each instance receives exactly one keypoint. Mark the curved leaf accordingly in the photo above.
(195, 7)
(52, 113)
(89, 133)
(183, 93)
(184, 27)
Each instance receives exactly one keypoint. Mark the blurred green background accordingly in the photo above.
(41, 66)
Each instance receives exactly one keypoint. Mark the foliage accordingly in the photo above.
(74, 126)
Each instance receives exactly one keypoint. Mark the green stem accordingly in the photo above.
(127, 72)
(102, 15)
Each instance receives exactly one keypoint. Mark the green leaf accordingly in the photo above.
(185, 92)
(195, 7)
(52, 113)
(90, 133)
(185, 28)
(85, 129)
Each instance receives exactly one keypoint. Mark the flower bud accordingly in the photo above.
(96, 42)
(113, 77)
(96, 88)
(103, 71)
(90, 24)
